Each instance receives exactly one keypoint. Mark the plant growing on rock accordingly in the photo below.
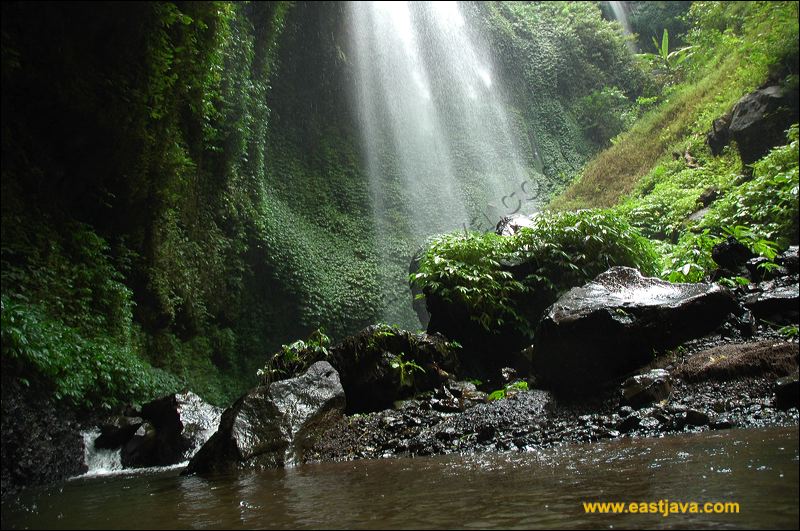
(406, 369)
(503, 393)
(502, 281)
(296, 357)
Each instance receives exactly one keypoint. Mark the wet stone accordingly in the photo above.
(644, 389)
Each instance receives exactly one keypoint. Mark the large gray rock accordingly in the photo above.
(609, 327)
(177, 426)
(759, 120)
(274, 426)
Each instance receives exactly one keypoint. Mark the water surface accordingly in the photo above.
(758, 468)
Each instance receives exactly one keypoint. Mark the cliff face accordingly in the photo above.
(185, 187)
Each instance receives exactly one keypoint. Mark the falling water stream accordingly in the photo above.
(441, 146)
(621, 16)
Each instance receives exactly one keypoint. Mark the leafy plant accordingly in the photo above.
(500, 394)
(88, 372)
(559, 251)
(789, 331)
(665, 63)
(406, 369)
(605, 113)
(294, 358)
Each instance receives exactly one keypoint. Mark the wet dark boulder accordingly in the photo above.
(177, 425)
(485, 351)
(644, 389)
(41, 439)
(609, 327)
(720, 134)
(731, 254)
(141, 450)
(382, 364)
(759, 121)
(274, 426)
(775, 300)
(789, 260)
(787, 391)
(116, 431)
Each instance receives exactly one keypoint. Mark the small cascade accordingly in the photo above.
(621, 16)
(99, 462)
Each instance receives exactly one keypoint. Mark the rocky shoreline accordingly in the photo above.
(385, 392)
(529, 420)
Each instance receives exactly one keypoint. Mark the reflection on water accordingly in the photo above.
(756, 468)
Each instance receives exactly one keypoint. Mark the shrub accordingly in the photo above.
(769, 203)
(510, 280)
(605, 114)
(294, 358)
(88, 372)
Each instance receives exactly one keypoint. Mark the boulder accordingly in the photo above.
(731, 254)
(720, 134)
(708, 196)
(116, 431)
(510, 225)
(740, 360)
(611, 326)
(789, 260)
(644, 389)
(775, 300)
(41, 438)
(759, 121)
(274, 426)
(382, 364)
(177, 425)
(787, 391)
(758, 273)
(141, 450)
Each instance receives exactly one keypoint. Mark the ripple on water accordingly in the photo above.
(542, 489)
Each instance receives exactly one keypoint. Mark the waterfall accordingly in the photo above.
(621, 16)
(442, 150)
(99, 462)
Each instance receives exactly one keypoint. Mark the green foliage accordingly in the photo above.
(665, 63)
(736, 46)
(405, 369)
(605, 113)
(155, 201)
(761, 213)
(789, 331)
(650, 19)
(560, 251)
(91, 372)
(295, 358)
(501, 394)
(552, 55)
(768, 204)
